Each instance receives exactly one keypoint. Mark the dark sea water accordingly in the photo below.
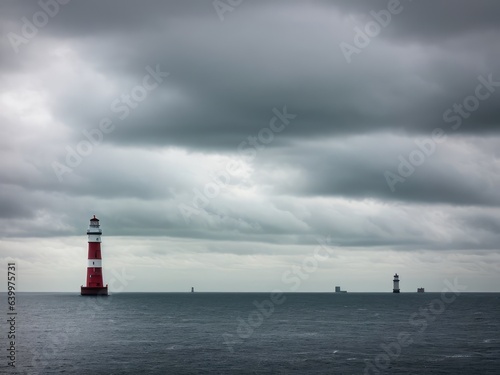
(234, 333)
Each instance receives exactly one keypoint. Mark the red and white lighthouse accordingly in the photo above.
(94, 286)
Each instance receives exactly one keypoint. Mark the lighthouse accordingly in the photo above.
(395, 288)
(94, 286)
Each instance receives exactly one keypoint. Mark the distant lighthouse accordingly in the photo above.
(395, 288)
(94, 286)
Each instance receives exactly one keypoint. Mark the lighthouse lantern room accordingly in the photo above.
(94, 285)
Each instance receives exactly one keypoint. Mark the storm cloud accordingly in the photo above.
(250, 131)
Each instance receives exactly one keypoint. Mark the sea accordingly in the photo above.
(252, 333)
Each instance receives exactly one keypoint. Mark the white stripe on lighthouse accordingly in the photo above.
(95, 263)
(94, 238)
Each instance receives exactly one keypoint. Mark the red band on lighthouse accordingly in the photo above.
(94, 285)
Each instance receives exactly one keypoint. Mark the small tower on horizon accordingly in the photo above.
(395, 283)
(94, 285)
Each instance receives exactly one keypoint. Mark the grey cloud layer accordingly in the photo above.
(353, 120)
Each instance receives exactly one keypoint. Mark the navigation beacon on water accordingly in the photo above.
(94, 286)
(395, 287)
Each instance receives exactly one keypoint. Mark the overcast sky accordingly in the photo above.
(251, 145)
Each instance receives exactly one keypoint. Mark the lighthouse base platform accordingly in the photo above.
(94, 291)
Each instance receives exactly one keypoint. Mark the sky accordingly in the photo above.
(237, 145)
